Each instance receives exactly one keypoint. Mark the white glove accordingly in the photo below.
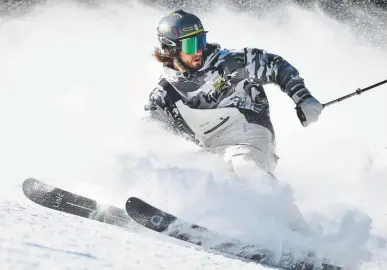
(309, 110)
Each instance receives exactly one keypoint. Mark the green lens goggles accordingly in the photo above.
(194, 44)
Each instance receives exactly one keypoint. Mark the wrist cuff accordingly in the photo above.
(301, 95)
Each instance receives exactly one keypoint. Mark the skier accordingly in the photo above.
(215, 96)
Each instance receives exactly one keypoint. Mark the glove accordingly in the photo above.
(309, 110)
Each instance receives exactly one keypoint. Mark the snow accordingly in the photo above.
(91, 245)
(73, 83)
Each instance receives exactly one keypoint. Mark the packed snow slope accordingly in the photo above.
(73, 83)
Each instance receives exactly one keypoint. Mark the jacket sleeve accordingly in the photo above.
(160, 109)
(158, 106)
(266, 68)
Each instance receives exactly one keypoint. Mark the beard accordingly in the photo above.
(196, 63)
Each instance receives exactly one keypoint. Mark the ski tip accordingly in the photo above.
(135, 205)
(134, 201)
(28, 184)
(31, 186)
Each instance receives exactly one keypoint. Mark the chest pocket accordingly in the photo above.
(206, 123)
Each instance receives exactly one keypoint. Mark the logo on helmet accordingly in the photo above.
(167, 41)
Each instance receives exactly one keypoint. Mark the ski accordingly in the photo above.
(165, 223)
(67, 202)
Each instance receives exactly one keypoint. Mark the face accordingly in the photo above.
(193, 61)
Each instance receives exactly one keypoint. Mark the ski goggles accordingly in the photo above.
(193, 45)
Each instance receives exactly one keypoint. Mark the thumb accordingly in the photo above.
(300, 114)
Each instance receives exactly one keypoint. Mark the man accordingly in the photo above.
(216, 96)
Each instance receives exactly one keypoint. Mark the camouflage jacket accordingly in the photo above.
(228, 78)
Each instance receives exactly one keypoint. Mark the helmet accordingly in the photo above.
(181, 31)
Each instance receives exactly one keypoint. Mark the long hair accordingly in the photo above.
(166, 57)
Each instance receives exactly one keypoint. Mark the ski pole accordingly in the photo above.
(357, 92)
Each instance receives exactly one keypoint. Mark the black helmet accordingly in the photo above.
(179, 26)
